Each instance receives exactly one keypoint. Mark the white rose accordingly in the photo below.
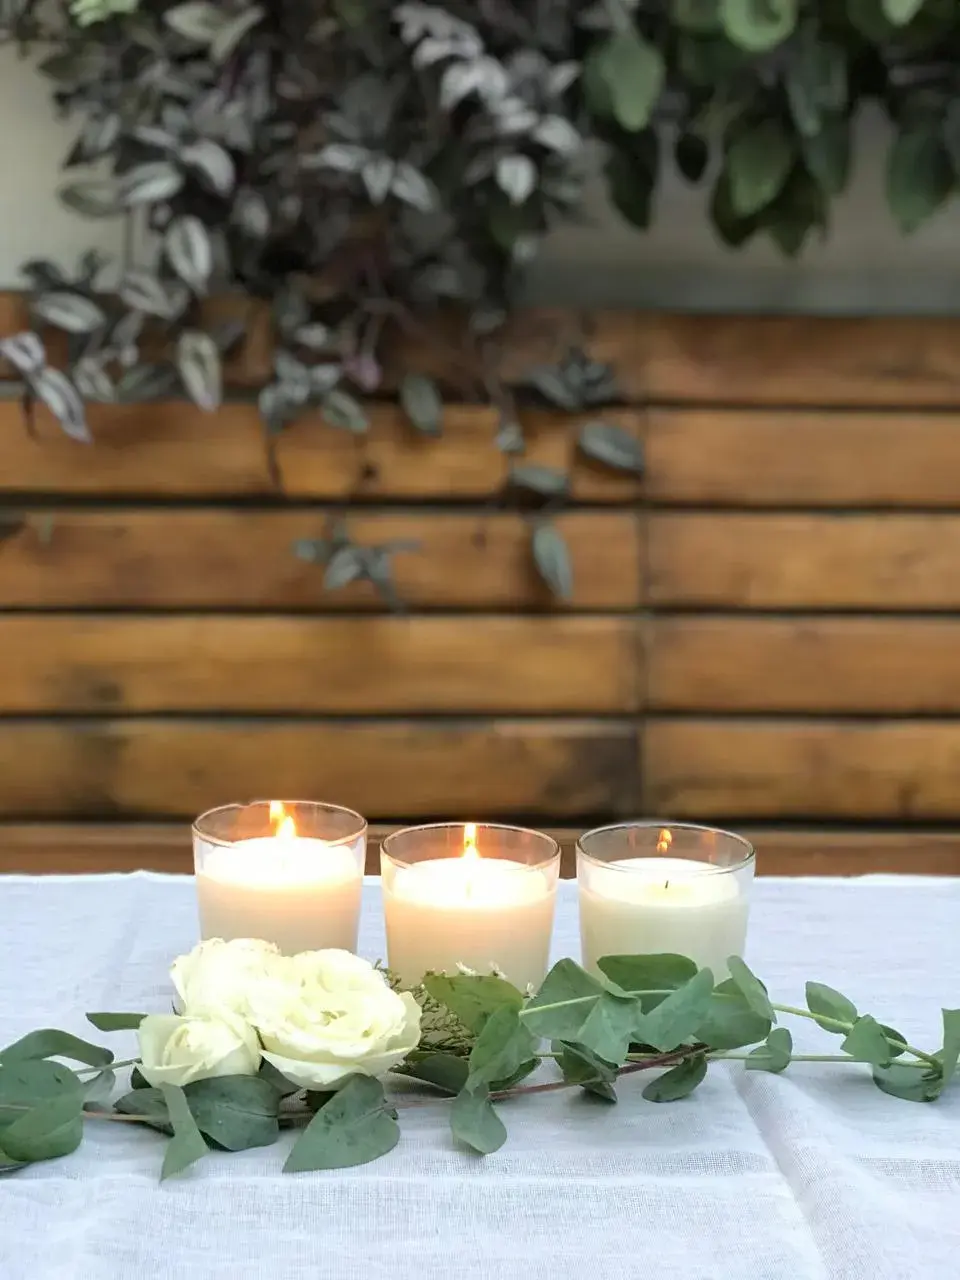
(219, 977)
(178, 1050)
(337, 1018)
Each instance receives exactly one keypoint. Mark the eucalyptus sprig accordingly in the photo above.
(481, 1039)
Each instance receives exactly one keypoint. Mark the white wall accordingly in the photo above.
(866, 266)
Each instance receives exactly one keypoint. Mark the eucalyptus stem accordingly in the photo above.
(840, 1025)
(110, 1066)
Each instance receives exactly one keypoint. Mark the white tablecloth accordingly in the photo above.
(806, 1176)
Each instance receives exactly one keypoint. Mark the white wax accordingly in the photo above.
(478, 912)
(299, 892)
(646, 906)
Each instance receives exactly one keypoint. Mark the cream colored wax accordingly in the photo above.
(646, 906)
(473, 911)
(299, 892)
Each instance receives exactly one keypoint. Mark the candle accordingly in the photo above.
(454, 897)
(293, 886)
(695, 904)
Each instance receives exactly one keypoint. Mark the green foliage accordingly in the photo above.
(774, 1054)
(354, 1127)
(679, 1081)
(413, 165)
(481, 1038)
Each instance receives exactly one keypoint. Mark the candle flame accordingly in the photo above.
(284, 827)
(470, 849)
(665, 841)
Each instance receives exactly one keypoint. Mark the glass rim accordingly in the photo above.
(749, 852)
(226, 843)
(548, 860)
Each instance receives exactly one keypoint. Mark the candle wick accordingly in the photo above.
(666, 884)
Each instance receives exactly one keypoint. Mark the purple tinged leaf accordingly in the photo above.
(64, 401)
(198, 362)
(552, 560)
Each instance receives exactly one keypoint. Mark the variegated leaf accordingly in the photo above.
(198, 362)
(189, 251)
(149, 183)
(25, 351)
(64, 401)
(71, 312)
(214, 164)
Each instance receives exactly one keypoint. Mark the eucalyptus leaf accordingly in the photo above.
(679, 1081)
(473, 998)
(27, 1082)
(751, 988)
(51, 1129)
(950, 1053)
(729, 1022)
(833, 1011)
(867, 1042)
(655, 972)
(236, 1112)
(567, 997)
(676, 1018)
(474, 1122)
(552, 559)
(580, 1065)
(774, 1054)
(187, 1144)
(148, 1104)
(353, 1128)
(56, 1044)
(504, 1046)
(445, 1071)
(908, 1083)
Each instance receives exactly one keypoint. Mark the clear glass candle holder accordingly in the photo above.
(466, 894)
(289, 872)
(650, 888)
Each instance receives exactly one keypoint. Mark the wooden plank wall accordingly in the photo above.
(765, 630)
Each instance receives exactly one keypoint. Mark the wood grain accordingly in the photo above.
(899, 666)
(171, 448)
(242, 559)
(772, 561)
(773, 457)
(179, 767)
(357, 666)
(896, 771)
(719, 359)
(44, 848)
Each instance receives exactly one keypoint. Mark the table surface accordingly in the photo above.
(812, 1175)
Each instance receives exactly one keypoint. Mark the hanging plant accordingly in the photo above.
(347, 169)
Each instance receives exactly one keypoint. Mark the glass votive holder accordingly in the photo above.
(479, 895)
(650, 888)
(289, 872)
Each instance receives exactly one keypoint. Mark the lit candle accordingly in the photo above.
(695, 904)
(448, 903)
(292, 887)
